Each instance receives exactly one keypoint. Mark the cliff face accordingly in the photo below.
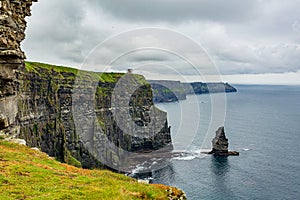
(12, 26)
(72, 115)
(79, 118)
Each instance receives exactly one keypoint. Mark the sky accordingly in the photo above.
(236, 41)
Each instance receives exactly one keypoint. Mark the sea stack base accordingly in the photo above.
(229, 153)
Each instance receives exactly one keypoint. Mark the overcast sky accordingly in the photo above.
(246, 41)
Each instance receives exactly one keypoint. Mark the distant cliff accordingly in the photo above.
(169, 91)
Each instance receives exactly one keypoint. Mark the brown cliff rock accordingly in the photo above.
(12, 26)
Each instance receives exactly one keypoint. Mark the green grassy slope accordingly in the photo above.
(45, 70)
(30, 174)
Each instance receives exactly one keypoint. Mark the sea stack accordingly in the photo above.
(220, 144)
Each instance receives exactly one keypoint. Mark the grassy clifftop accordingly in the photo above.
(44, 70)
(27, 173)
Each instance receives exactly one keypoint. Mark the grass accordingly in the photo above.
(30, 174)
(43, 69)
(35, 66)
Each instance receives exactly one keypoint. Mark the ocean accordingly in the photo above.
(261, 122)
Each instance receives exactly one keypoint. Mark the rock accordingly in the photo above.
(220, 142)
(143, 181)
(17, 141)
(233, 153)
(3, 122)
(220, 145)
(173, 193)
(35, 148)
(12, 26)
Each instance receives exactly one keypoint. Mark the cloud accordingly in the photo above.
(178, 10)
(54, 31)
(240, 37)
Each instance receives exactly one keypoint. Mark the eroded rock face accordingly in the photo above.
(73, 119)
(220, 142)
(220, 145)
(12, 32)
(13, 25)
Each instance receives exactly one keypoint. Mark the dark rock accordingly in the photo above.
(220, 142)
(3, 122)
(220, 145)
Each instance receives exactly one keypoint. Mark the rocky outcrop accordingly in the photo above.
(220, 144)
(12, 26)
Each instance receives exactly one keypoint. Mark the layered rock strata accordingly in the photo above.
(220, 144)
(12, 26)
(88, 119)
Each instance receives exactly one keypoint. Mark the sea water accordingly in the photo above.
(261, 122)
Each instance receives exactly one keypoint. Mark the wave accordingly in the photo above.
(246, 149)
(187, 155)
(186, 158)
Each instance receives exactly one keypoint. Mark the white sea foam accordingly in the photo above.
(188, 155)
(186, 158)
(138, 169)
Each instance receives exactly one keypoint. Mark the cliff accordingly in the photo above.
(169, 91)
(82, 118)
(12, 26)
(71, 115)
